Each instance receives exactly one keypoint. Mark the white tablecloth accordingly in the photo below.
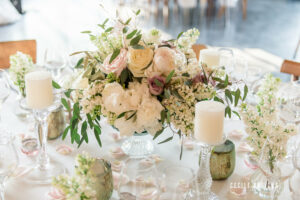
(19, 189)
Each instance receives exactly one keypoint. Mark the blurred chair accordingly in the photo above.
(291, 67)
(197, 48)
(11, 47)
(226, 4)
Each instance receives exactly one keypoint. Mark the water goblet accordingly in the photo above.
(8, 158)
(138, 180)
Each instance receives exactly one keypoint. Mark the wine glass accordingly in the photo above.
(4, 88)
(139, 180)
(227, 59)
(177, 183)
(8, 158)
(55, 60)
(294, 182)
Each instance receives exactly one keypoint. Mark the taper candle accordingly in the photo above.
(209, 122)
(210, 57)
(39, 91)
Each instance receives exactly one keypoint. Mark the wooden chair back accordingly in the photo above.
(11, 47)
(291, 67)
(197, 48)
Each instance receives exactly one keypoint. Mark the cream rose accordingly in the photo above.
(163, 62)
(117, 65)
(138, 60)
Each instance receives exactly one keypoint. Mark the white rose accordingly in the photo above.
(153, 36)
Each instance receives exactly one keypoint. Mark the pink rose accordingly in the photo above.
(156, 85)
(163, 60)
(117, 65)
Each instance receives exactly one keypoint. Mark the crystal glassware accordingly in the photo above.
(8, 158)
(40, 98)
(55, 60)
(139, 180)
(4, 88)
(177, 183)
(227, 59)
(294, 182)
(139, 145)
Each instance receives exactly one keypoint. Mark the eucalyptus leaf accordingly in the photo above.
(80, 61)
(55, 85)
(167, 93)
(166, 140)
(228, 111)
(237, 97)
(237, 114)
(128, 21)
(186, 74)
(158, 83)
(86, 32)
(125, 29)
(245, 92)
(97, 132)
(168, 117)
(121, 115)
(131, 34)
(176, 94)
(138, 12)
(83, 131)
(109, 29)
(65, 132)
(179, 35)
(133, 114)
(137, 46)
(124, 76)
(114, 55)
(158, 133)
(218, 99)
(162, 116)
(65, 104)
(228, 95)
(169, 77)
(135, 40)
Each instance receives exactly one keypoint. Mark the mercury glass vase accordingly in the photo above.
(138, 145)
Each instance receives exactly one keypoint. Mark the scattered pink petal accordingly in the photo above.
(117, 166)
(250, 165)
(156, 158)
(117, 153)
(149, 194)
(244, 147)
(64, 149)
(236, 134)
(238, 191)
(116, 136)
(55, 194)
(21, 171)
(118, 178)
(29, 146)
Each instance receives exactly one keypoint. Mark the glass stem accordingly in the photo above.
(43, 159)
(204, 179)
(2, 191)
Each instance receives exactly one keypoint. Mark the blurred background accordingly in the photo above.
(272, 25)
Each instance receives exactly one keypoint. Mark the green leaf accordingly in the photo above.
(68, 93)
(124, 76)
(158, 83)
(76, 137)
(218, 99)
(85, 31)
(80, 61)
(188, 82)
(245, 92)
(90, 121)
(135, 40)
(176, 94)
(226, 81)
(121, 115)
(186, 74)
(169, 77)
(114, 55)
(76, 109)
(237, 97)
(125, 29)
(55, 85)
(158, 133)
(97, 132)
(228, 95)
(167, 93)
(179, 35)
(166, 140)
(217, 79)
(109, 29)
(131, 34)
(134, 113)
(168, 117)
(65, 104)
(128, 21)
(137, 46)
(237, 114)
(147, 65)
(181, 150)
(228, 111)
(65, 132)
(138, 12)
(83, 131)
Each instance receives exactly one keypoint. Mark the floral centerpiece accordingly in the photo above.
(141, 82)
(268, 135)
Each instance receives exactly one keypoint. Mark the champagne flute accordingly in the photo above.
(8, 158)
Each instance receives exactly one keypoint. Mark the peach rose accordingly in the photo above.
(138, 60)
(117, 65)
(163, 62)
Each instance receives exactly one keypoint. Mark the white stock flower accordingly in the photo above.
(153, 36)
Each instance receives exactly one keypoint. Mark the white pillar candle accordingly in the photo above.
(209, 122)
(39, 92)
(210, 57)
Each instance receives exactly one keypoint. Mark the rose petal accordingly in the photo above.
(238, 191)
(64, 149)
(183, 186)
(117, 153)
(147, 162)
(118, 178)
(188, 143)
(236, 134)
(156, 158)
(250, 165)
(117, 166)
(244, 147)
(55, 194)
(148, 194)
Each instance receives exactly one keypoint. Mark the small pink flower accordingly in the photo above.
(156, 85)
(117, 65)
